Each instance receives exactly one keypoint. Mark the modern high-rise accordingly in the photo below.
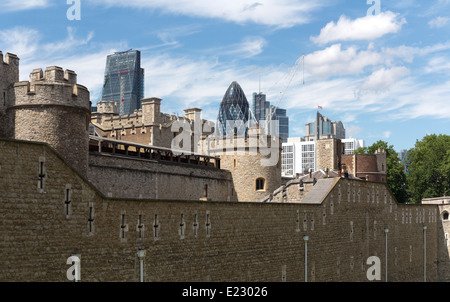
(297, 157)
(234, 112)
(323, 128)
(265, 114)
(260, 106)
(283, 122)
(124, 80)
(351, 144)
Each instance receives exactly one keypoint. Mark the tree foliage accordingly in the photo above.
(429, 167)
(395, 176)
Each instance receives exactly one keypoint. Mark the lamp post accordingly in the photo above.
(424, 253)
(305, 239)
(386, 230)
(141, 255)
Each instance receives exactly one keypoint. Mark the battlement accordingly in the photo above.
(54, 74)
(9, 69)
(54, 86)
(108, 107)
(10, 58)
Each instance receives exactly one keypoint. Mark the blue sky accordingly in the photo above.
(385, 76)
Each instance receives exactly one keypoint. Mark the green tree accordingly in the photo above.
(395, 176)
(429, 167)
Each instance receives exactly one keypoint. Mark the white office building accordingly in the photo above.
(351, 144)
(299, 156)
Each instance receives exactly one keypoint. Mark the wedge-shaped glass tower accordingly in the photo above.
(124, 80)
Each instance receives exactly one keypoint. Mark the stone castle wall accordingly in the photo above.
(51, 108)
(121, 177)
(201, 240)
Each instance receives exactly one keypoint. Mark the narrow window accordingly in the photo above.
(445, 216)
(67, 201)
(260, 184)
(156, 227)
(41, 175)
(195, 225)
(208, 224)
(140, 228)
(205, 191)
(123, 227)
(182, 226)
(91, 219)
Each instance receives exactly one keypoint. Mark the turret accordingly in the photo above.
(9, 74)
(54, 109)
(254, 162)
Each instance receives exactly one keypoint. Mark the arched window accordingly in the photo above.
(445, 215)
(260, 184)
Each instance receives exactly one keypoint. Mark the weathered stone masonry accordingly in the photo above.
(201, 241)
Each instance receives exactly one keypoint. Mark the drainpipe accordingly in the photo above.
(305, 238)
(141, 255)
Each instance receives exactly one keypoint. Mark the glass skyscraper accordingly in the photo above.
(266, 113)
(283, 122)
(259, 106)
(234, 112)
(323, 128)
(124, 80)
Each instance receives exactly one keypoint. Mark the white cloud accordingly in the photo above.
(248, 47)
(14, 5)
(438, 65)
(334, 60)
(279, 13)
(438, 22)
(365, 28)
(352, 130)
(382, 79)
(20, 40)
(424, 101)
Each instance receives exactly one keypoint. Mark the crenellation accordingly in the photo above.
(54, 74)
(36, 75)
(70, 76)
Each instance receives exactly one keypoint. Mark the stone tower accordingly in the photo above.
(254, 162)
(9, 74)
(54, 109)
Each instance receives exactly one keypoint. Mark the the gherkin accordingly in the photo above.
(234, 113)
